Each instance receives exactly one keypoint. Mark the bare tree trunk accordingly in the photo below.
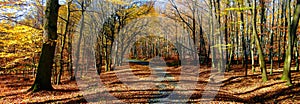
(43, 76)
(271, 39)
(245, 58)
(292, 29)
(297, 54)
(64, 43)
(212, 52)
(259, 49)
(77, 52)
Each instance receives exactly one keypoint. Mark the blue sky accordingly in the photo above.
(29, 8)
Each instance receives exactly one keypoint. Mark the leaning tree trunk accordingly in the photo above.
(64, 44)
(292, 29)
(43, 76)
(77, 52)
(259, 49)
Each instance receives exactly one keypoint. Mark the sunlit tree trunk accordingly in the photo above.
(252, 53)
(212, 52)
(297, 54)
(292, 29)
(259, 49)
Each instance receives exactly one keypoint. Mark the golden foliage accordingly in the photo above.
(19, 40)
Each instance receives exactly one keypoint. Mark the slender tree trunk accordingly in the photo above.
(107, 67)
(251, 45)
(77, 52)
(99, 54)
(285, 25)
(278, 34)
(252, 53)
(271, 38)
(237, 39)
(231, 47)
(70, 64)
(226, 41)
(259, 49)
(282, 32)
(64, 43)
(212, 52)
(245, 58)
(43, 76)
(297, 54)
(262, 24)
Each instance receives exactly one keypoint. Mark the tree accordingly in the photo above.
(271, 38)
(68, 18)
(116, 22)
(245, 58)
(292, 29)
(259, 49)
(83, 5)
(43, 76)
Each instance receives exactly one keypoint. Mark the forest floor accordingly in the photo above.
(234, 88)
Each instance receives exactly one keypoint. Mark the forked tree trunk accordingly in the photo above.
(292, 29)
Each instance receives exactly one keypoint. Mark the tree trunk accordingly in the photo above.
(262, 24)
(297, 54)
(292, 29)
(64, 43)
(226, 39)
(77, 52)
(70, 64)
(98, 54)
(285, 25)
(259, 49)
(237, 39)
(43, 76)
(211, 21)
(271, 39)
(252, 53)
(245, 58)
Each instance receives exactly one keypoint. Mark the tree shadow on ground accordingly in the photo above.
(66, 90)
(272, 96)
(239, 79)
(12, 94)
(73, 100)
(220, 96)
